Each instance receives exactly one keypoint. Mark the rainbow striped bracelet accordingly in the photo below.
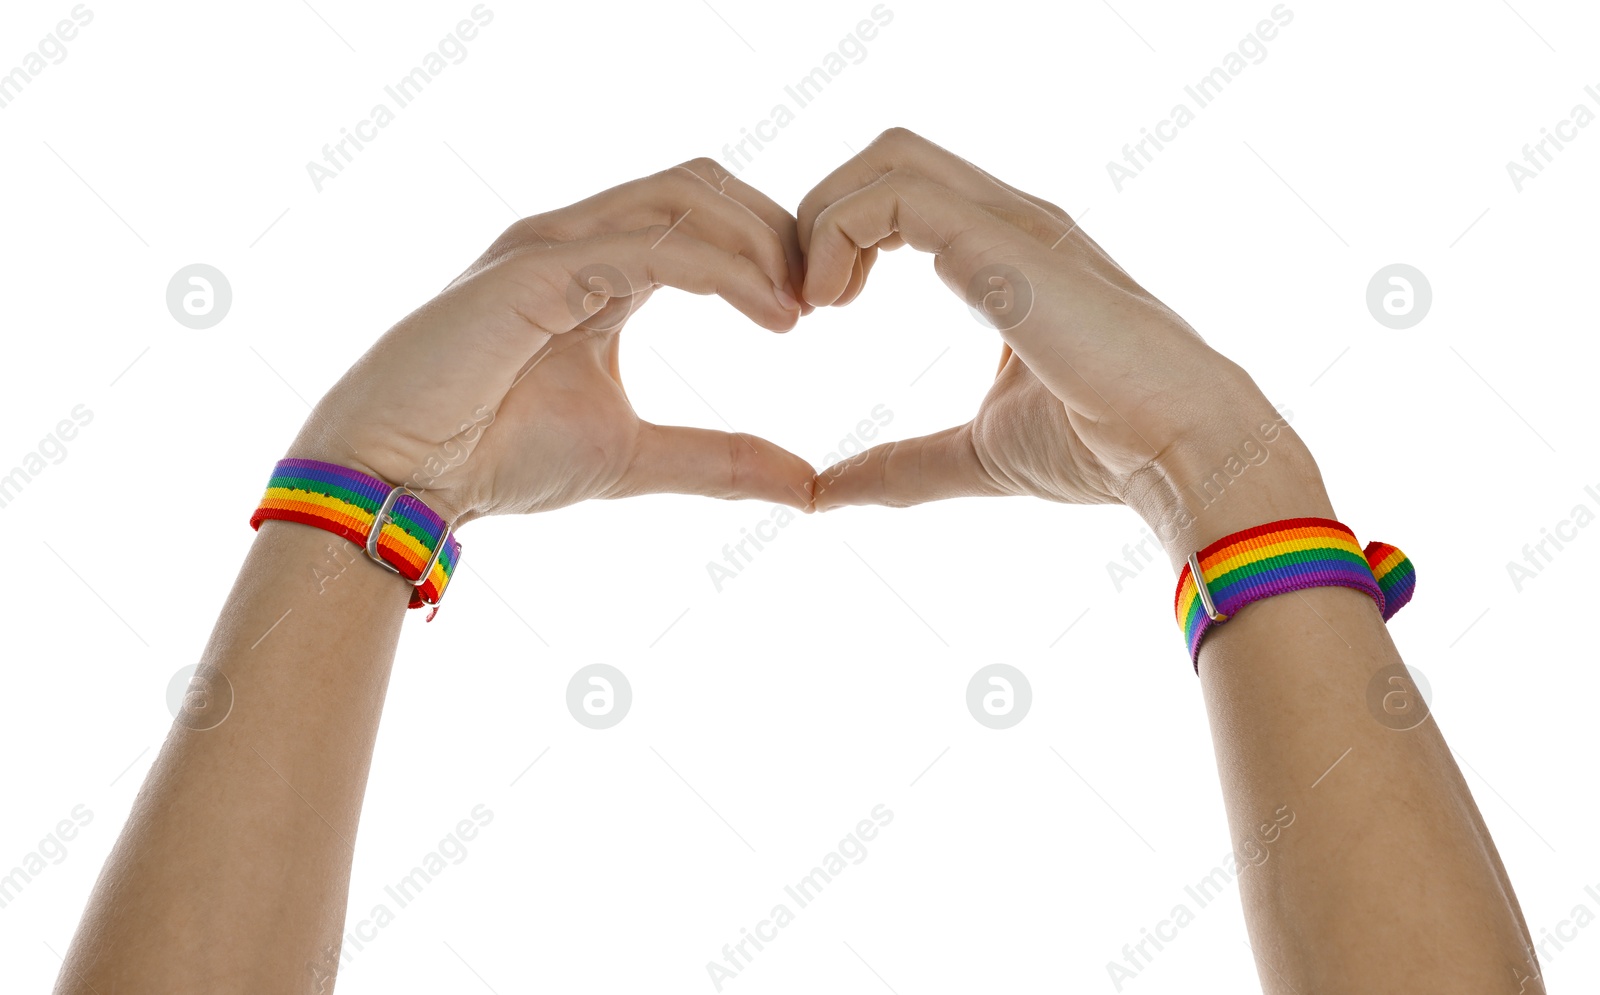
(413, 541)
(1280, 557)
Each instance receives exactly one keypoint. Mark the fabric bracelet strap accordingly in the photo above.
(1280, 557)
(345, 502)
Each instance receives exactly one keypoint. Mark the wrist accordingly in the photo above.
(1268, 502)
(447, 502)
(394, 527)
(1204, 493)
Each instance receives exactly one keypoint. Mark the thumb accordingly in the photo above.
(910, 471)
(672, 459)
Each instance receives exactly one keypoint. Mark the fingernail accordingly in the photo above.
(785, 301)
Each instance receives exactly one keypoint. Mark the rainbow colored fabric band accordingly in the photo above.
(1285, 556)
(345, 502)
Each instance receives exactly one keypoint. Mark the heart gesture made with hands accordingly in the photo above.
(504, 395)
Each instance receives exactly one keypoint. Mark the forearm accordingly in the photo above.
(1373, 870)
(1364, 864)
(232, 871)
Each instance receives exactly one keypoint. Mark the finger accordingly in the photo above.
(910, 471)
(858, 278)
(924, 214)
(563, 286)
(898, 148)
(1054, 225)
(673, 459)
(771, 213)
(507, 313)
(687, 204)
(1073, 326)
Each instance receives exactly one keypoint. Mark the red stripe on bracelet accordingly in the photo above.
(1284, 556)
(346, 502)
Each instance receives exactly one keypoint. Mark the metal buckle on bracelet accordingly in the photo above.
(384, 517)
(1204, 592)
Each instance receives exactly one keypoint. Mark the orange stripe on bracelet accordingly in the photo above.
(1284, 556)
(346, 502)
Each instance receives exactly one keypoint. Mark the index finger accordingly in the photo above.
(771, 213)
(898, 148)
(925, 214)
(1073, 325)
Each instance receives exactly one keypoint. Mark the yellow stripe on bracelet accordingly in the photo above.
(1280, 557)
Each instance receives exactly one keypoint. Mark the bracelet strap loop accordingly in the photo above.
(1280, 557)
(410, 538)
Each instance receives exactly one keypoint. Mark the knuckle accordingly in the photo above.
(706, 168)
(687, 180)
(889, 455)
(898, 137)
(521, 233)
(740, 446)
(528, 263)
(1053, 208)
(678, 182)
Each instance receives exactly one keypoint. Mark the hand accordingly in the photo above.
(503, 393)
(1103, 394)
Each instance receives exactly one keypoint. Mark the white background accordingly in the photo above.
(769, 718)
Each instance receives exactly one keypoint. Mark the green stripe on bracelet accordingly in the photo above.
(1284, 556)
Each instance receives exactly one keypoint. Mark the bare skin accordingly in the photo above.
(1386, 880)
(233, 870)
